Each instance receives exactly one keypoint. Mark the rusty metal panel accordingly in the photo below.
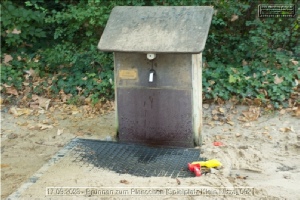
(155, 116)
(167, 29)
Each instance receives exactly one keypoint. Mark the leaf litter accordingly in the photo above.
(252, 114)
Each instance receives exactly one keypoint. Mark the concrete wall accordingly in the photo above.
(166, 111)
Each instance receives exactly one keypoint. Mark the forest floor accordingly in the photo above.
(261, 150)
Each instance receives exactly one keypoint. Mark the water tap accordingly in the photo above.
(151, 75)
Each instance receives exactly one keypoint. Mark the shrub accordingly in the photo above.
(245, 56)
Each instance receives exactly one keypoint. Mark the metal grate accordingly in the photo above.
(136, 159)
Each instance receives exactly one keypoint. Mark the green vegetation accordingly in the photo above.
(245, 56)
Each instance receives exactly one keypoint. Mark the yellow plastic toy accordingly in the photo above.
(196, 166)
(209, 164)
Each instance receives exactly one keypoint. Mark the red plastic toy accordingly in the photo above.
(196, 168)
(217, 144)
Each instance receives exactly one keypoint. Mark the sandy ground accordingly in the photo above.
(262, 154)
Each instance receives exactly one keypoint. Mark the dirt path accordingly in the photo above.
(263, 153)
(25, 147)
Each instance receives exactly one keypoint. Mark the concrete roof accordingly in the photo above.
(157, 29)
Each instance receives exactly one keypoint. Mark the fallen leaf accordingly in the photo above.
(6, 86)
(87, 100)
(34, 106)
(12, 136)
(25, 83)
(60, 131)
(206, 106)
(234, 111)
(124, 181)
(270, 137)
(75, 112)
(75, 120)
(36, 83)
(79, 89)
(270, 107)
(251, 115)
(44, 102)
(225, 129)
(16, 31)
(46, 121)
(41, 112)
(257, 102)
(237, 134)
(278, 80)
(211, 82)
(231, 123)
(241, 177)
(220, 101)
(242, 119)
(282, 112)
(32, 127)
(7, 58)
(247, 125)
(178, 181)
(79, 134)
(44, 126)
(52, 109)
(234, 17)
(287, 129)
(12, 90)
(22, 123)
(297, 112)
(62, 117)
(221, 123)
(215, 117)
(211, 123)
(31, 72)
(19, 111)
(222, 110)
(4, 165)
(214, 112)
(35, 97)
(215, 11)
(295, 108)
(294, 62)
(218, 137)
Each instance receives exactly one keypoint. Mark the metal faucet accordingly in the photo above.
(151, 75)
(151, 57)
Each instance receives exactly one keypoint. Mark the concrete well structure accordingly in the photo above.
(158, 72)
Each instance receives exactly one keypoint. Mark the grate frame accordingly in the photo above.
(135, 159)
